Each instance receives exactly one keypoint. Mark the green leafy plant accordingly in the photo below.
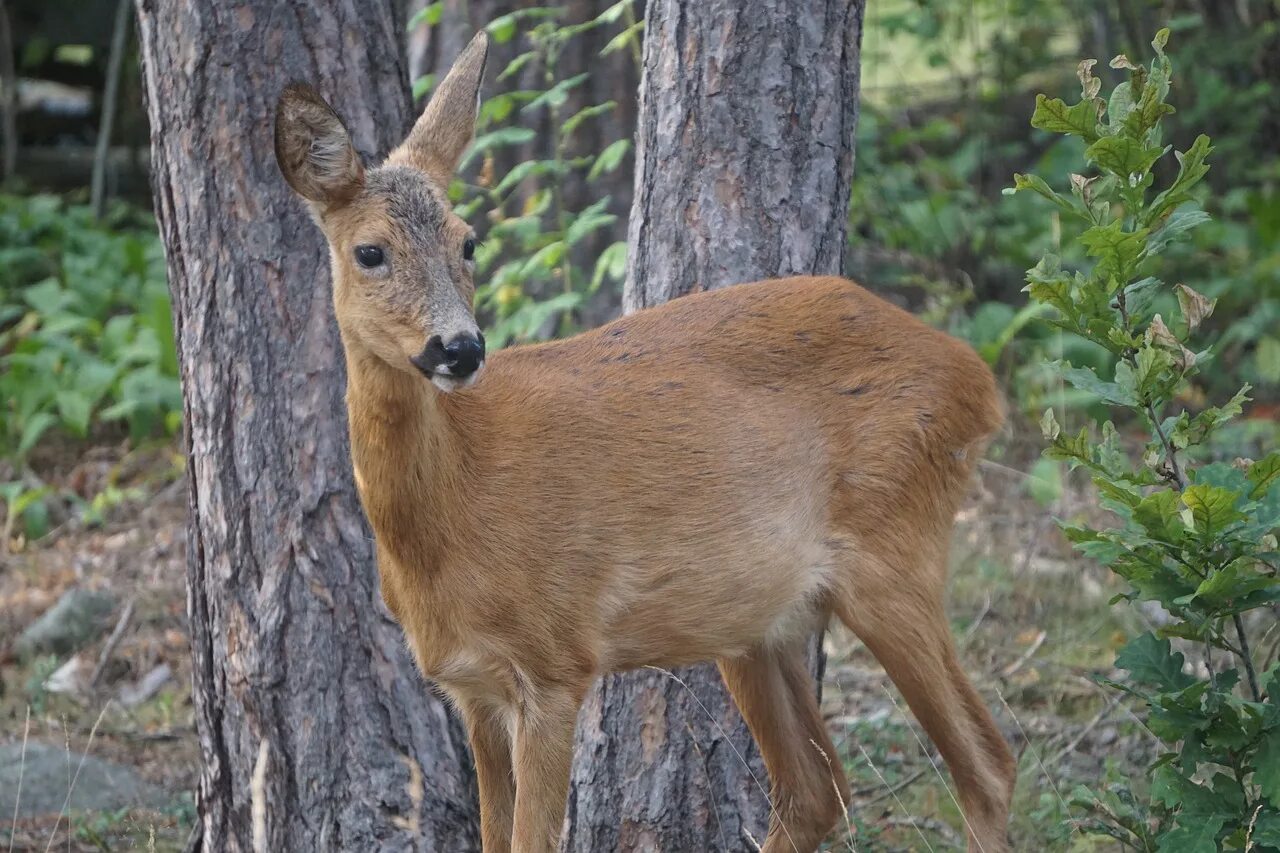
(86, 339)
(530, 280)
(1195, 536)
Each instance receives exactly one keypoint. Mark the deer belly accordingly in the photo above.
(759, 593)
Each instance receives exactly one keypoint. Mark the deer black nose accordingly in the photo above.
(464, 354)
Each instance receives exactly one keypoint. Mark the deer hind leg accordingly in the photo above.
(899, 615)
(777, 697)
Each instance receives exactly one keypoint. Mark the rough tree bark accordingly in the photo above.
(743, 162)
(316, 730)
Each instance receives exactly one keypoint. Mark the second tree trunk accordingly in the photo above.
(743, 161)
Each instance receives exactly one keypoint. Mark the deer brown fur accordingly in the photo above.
(707, 480)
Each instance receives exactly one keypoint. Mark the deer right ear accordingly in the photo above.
(313, 149)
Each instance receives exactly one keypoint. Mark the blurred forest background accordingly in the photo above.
(93, 645)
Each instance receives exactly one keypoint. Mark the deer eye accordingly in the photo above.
(468, 249)
(369, 256)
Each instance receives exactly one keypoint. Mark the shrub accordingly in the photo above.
(85, 331)
(1194, 536)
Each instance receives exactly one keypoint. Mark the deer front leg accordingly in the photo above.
(487, 730)
(543, 758)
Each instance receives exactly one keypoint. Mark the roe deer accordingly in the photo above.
(706, 480)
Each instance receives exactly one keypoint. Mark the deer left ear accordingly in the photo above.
(446, 126)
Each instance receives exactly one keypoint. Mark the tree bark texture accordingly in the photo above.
(743, 162)
(317, 732)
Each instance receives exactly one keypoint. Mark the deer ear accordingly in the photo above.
(445, 128)
(313, 149)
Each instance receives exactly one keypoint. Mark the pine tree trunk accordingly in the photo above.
(743, 163)
(317, 732)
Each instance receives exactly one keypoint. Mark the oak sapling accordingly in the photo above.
(1195, 536)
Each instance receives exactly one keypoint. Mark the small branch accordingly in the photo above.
(1169, 453)
(115, 61)
(112, 641)
(885, 794)
(1012, 669)
(8, 96)
(1084, 732)
(1247, 657)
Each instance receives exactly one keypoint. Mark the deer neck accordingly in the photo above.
(405, 453)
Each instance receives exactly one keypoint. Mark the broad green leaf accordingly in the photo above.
(423, 85)
(1266, 774)
(1187, 432)
(33, 429)
(514, 66)
(518, 173)
(624, 38)
(1120, 104)
(1267, 358)
(1139, 296)
(1116, 249)
(1123, 156)
(75, 409)
(1037, 185)
(1263, 474)
(611, 264)
(1048, 283)
(502, 28)
(614, 12)
(1149, 375)
(557, 94)
(571, 123)
(545, 259)
(429, 15)
(1177, 225)
(588, 221)
(1198, 836)
(1053, 115)
(504, 136)
(1265, 832)
(1191, 170)
(1148, 111)
(1161, 39)
(1152, 662)
(1086, 380)
(1231, 583)
(1044, 481)
(1213, 508)
(1159, 515)
(609, 158)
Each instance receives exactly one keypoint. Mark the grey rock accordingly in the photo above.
(77, 617)
(101, 785)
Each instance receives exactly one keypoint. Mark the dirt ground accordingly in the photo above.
(1031, 620)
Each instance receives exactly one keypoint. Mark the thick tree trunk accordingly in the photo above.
(744, 157)
(316, 730)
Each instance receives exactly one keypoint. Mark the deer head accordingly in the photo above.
(402, 260)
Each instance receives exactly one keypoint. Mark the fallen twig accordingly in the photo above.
(1011, 669)
(117, 633)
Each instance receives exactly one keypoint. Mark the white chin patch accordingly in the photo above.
(448, 384)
